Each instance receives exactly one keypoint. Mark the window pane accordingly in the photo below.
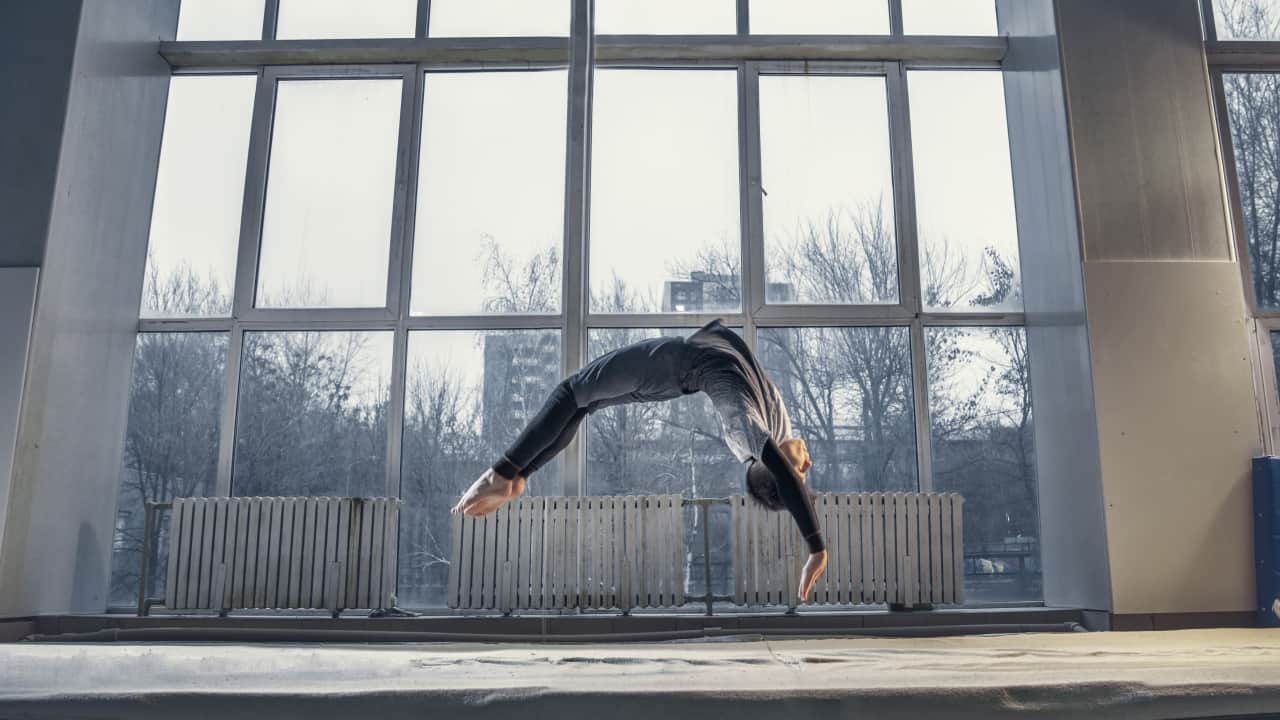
(221, 19)
(828, 181)
(1247, 19)
(491, 193)
(302, 19)
(667, 448)
(312, 416)
(666, 17)
(195, 220)
(170, 444)
(980, 408)
(672, 447)
(499, 18)
(949, 17)
(664, 191)
(819, 17)
(964, 191)
(469, 394)
(326, 230)
(1252, 104)
(849, 394)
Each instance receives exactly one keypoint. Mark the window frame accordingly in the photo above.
(749, 56)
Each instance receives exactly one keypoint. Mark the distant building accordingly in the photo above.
(519, 370)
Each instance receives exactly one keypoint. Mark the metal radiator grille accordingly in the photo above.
(277, 553)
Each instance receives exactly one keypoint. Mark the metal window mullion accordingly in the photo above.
(190, 324)
(909, 276)
(254, 195)
(743, 17)
(422, 24)
(405, 170)
(270, 19)
(748, 184)
(920, 395)
(904, 190)
(404, 272)
(753, 261)
(227, 418)
(896, 24)
(1209, 19)
(576, 293)
(662, 320)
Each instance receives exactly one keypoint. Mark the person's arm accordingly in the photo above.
(791, 491)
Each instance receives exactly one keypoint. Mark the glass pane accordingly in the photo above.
(665, 448)
(964, 191)
(1252, 103)
(326, 231)
(170, 444)
(221, 19)
(849, 394)
(819, 17)
(195, 220)
(302, 19)
(499, 18)
(664, 192)
(980, 408)
(949, 17)
(666, 17)
(468, 395)
(1247, 19)
(491, 193)
(828, 182)
(312, 416)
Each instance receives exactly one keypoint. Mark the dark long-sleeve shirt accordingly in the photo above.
(753, 416)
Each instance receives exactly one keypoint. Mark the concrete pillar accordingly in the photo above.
(89, 230)
(1176, 416)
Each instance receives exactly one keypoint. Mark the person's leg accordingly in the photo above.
(646, 371)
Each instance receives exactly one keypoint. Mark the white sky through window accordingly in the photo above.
(664, 175)
(221, 19)
(491, 178)
(304, 19)
(494, 18)
(819, 17)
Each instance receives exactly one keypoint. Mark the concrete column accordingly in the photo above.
(92, 248)
(1176, 414)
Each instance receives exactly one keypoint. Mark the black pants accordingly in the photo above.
(648, 371)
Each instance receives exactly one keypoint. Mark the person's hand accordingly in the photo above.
(488, 493)
(813, 568)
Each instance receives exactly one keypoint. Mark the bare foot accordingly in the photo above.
(490, 492)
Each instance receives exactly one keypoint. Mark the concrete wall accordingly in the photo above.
(17, 305)
(1176, 417)
(57, 538)
(37, 43)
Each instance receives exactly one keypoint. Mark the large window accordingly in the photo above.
(364, 279)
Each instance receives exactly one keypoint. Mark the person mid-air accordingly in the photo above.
(713, 360)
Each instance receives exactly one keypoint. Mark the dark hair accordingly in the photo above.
(762, 487)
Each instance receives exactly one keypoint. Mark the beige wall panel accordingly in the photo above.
(1177, 426)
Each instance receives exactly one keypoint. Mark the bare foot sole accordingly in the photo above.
(490, 492)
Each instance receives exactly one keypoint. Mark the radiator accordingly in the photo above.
(278, 553)
(570, 552)
(895, 548)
